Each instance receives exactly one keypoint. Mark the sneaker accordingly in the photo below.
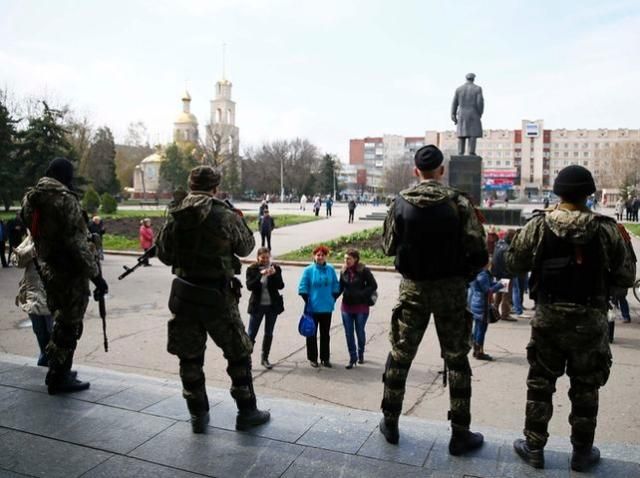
(533, 457)
(483, 356)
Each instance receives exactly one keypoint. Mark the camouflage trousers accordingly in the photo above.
(446, 300)
(187, 337)
(67, 299)
(572, 338)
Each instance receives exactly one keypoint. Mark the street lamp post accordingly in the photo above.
(281, 179)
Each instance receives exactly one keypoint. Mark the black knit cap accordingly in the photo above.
(573, 182)
(203, 178)
(60, 169)
(428, 158)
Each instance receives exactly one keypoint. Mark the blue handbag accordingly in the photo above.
(306, 326)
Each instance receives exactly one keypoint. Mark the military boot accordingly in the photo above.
(199, 411)
(60, 378)
(582, 459)
(266, 348)
(531, 456)
(463, 441)
(243, 393)
(389, 428)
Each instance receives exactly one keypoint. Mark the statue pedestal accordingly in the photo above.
(465, 174)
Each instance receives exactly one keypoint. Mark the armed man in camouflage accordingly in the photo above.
(575, 257)
(438, 243)
(200, 240)
(52, 212)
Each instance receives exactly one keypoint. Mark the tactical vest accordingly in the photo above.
(200, 251)
(569, 273)
(429, 240)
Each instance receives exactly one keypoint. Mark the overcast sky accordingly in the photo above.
(327, 70)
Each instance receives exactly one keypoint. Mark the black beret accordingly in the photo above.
(203, 178)
(574, 181)
(428, 158)
(62, 170)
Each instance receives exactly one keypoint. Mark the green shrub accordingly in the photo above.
(109, 204)
(91, 200)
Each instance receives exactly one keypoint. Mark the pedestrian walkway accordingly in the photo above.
(132, 426)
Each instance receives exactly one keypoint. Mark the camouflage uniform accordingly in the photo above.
(200, 240)
(570, 335)
(444, 297)
(59, 228)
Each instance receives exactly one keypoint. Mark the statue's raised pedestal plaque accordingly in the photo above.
(465, 174)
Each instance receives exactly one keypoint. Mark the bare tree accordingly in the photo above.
(619, 167)
(398, 176)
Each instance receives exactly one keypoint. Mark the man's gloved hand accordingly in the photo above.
(101, 285)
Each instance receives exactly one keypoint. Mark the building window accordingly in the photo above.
(576, 154)
(498, 163)
(566, 163)
(556, 154)
(566, 154)
(507, 163)
(584, 163)
(576, 145)
(218, 115)
(585, 145)
(369, 145)
(585, 154)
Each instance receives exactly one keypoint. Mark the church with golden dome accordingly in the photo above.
(221, 135)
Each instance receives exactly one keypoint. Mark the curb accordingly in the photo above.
(251, 261)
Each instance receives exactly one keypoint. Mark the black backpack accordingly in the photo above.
(498, 261)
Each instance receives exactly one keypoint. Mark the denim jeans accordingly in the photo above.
(516, 297)
(479, 329)
(357, 322)
(255, 320)
(42, 327)
(623, 305)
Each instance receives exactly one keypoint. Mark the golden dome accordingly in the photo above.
(186, 118)
(153, 158)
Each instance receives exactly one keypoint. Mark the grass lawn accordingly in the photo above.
(122, 227)
(368, 243)
(633, 227)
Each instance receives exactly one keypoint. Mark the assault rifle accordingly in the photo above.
(98, 293)
(141, 260)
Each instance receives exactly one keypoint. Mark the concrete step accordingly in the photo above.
(130, 425)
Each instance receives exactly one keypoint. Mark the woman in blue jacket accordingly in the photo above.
(479, 290)
(319, 288)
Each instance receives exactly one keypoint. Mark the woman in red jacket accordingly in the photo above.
(146, 237)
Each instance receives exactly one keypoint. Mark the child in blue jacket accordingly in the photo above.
(479, 290)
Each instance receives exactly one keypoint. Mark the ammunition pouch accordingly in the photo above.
(187, 298)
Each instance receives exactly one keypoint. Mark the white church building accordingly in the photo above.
(222, 135)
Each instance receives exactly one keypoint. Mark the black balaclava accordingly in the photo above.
(62, 170)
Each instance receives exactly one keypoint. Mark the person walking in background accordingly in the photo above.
(319, 288)
(303, 202)
(619, 209)
(328, 204)
(267, 224)
(146, 237)
(317, 202)
(352, 209)
(492, 239)
(502, 298)
(96, 228)
(634, 209)
(16, 233)
(358, 287)
(263, 205)
(264, 280)
(32, 299)
(3, 238)
(480, 289)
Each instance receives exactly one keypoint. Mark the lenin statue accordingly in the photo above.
(466, 111)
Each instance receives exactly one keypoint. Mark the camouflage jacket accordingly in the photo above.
(577, 225)
(53, 214)
(202, 237)
(430, 192)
